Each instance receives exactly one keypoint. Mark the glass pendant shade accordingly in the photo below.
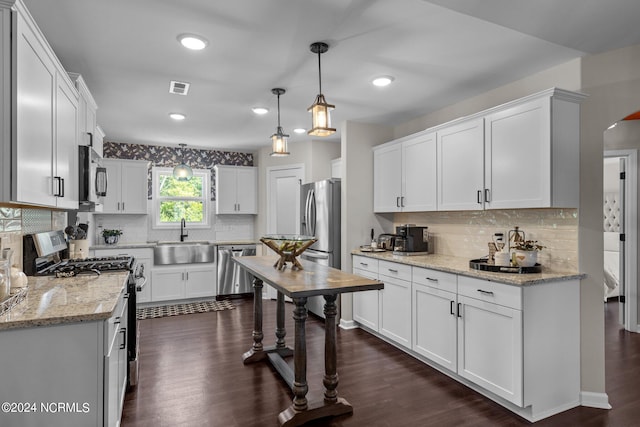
(279, 139)
(321, 117)
(279, 144)
(320, 110)
(182, 172)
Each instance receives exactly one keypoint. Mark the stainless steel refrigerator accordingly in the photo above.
(320, 217)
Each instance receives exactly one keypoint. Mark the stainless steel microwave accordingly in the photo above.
(93, 180)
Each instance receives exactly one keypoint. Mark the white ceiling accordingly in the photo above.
(439, 52)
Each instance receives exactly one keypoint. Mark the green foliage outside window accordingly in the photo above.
(180, 199)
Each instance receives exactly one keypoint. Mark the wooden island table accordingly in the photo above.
(313, 280)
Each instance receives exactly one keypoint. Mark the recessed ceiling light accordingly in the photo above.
(177, 116)
(260, 110)
(300, 130)
(193, 41)
(382, 81)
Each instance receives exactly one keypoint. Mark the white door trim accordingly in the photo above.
(631, 232)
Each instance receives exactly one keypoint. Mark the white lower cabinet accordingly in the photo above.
(490, 347)
(518, 345)
(434, 316)
(180, 282)
(366, 304)
(395, 302)
(80, 365)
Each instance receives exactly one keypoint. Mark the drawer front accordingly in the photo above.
(366, 264)
(365, 273)
(393, 269)
(497, 293)
(435, 279)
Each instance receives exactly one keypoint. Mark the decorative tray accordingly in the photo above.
(481, 264)
(367, 248)
(17, 296)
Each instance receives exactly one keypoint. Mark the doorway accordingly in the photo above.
(620, 233)
(283, 203)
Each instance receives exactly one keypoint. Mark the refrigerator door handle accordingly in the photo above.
(315, 255)
(312, 212)
(305, 215)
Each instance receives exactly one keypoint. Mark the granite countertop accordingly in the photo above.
(460, 266)
(142, 245)
(52, 301)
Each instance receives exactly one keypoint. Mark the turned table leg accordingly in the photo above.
(330, 379)
(280, 330)
(300, 387)
(256, 353)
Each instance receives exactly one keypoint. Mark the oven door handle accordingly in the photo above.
(139, 285)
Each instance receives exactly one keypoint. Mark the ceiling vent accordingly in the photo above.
(179, 88)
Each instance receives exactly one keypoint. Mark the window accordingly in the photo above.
(174, 200)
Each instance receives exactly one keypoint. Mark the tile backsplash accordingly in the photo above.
(467, 233)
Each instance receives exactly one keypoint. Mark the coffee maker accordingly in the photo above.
(412, 239)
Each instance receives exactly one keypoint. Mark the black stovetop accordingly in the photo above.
(73, 267)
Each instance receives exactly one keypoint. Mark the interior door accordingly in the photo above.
(283, 204)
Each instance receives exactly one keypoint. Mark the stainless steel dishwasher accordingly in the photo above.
(232, 280)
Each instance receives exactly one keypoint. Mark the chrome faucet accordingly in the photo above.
(183, 225)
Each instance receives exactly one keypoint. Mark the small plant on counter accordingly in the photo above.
(107, 233)
(111, 236)
(528, 245)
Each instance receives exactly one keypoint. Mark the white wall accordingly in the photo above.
(358, 139)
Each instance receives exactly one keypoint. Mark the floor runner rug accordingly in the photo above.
(178, 309)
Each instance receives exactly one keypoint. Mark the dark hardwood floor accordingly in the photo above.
(191, 374)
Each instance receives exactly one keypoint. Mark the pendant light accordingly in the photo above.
(320, 110)
(279, 139)
(182, 172)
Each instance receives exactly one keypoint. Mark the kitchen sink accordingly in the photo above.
(168, 253)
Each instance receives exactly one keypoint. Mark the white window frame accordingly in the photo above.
(206, 198)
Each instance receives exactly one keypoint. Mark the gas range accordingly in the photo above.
(96, 265)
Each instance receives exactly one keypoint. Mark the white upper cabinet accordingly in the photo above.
(87, 112)
(405, 174)
(387, 179)
(522, 154)
(126, 187)
(44, 161)
(236, 189)
(532, 153)
(66, 154)
(461, 166)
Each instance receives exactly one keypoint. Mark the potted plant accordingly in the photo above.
(527, 252)
(111, 236)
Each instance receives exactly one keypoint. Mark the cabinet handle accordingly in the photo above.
(479, 197)
(451, 307)
(392, 270)
(116, 321)
(118, 208)
(459, 311)
(123, 206)
(432, 280)
(487, 195)
(364, 264)
(482, 291)
(402, 201)
(187, 276)
(123, 331)
(397, 202)
(56, 191)
(61, 187)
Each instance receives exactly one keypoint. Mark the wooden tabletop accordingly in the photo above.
(314, 280)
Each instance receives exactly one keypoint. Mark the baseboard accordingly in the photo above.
(594, 400)
(348, 324)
